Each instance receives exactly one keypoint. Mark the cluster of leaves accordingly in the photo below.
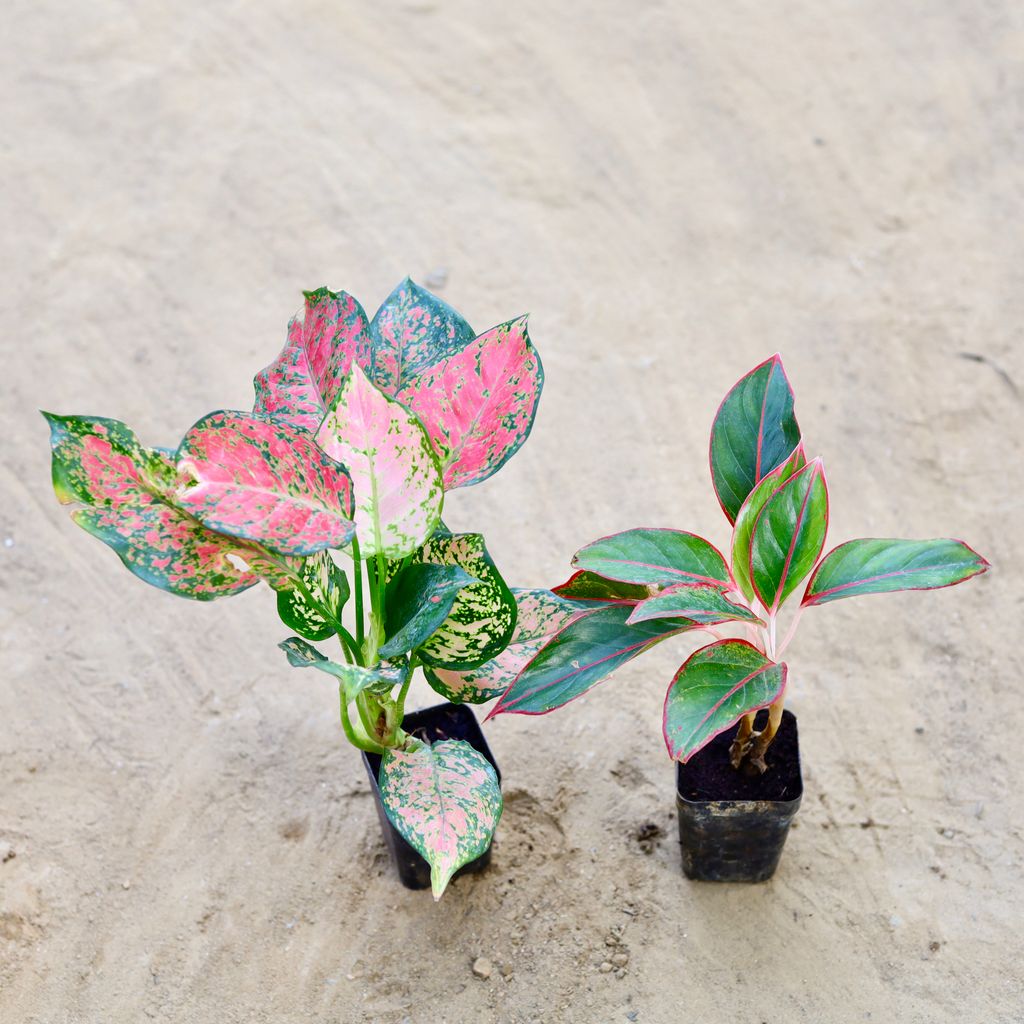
(636, 588)
(359, 427)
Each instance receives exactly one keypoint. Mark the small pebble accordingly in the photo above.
(611, 940)
(482, 967)
(126, 884)
(620, 959)
(605, 968)
(506, 972)
(6, 852)
(620, 973)
(632, 1015)
(437, 278)
(8, 542)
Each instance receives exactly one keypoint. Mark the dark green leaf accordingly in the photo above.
(417, 601)
(587, 650)
(788, 535)
(662, 557)
(715, 687)
(697, 602)
(753, 432)
(880, 566)
(588, 586)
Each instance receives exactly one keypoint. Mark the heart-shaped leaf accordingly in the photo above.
(579, 656)
(313, 609)
(445, 801)
(129, 489)
(354, 679)
(394, 471)
(413, 330)
(753, 432)
(880, 566)
(588, 586)
(715, 687)
(749, 512)
(788, 535)
(697, 602)
(540, 614)
(303, 382)
(418, 600)
(484, 615)
(662, 557)
(478, 403)
(265, 481)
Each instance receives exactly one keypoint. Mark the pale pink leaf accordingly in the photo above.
(395, 475)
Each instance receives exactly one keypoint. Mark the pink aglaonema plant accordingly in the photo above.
(636, 588)
(358, 429)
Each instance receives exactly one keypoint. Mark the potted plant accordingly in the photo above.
(737, 788)
(358, 430)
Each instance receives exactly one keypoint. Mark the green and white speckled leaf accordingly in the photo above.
(541, 614)
(445, 801)
(328, 586)
(412, 330)
(395, 474)
(418, 599)
(483, 617)
(129, 491)
(354, 678)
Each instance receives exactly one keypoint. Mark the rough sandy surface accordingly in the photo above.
(675, 191)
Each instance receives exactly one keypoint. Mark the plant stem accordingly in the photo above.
(762, 741)
(741, 744)
(357, 579)
(791, 631)
(361, 742)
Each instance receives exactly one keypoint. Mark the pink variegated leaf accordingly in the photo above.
(394, 471)
(265, 481)
(129, 493)
(445, 801)
(412, 330)
(541, 614)
(478, 404)
(303, 382)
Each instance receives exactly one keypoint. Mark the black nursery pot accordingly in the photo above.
(442, 722)
(732, 826)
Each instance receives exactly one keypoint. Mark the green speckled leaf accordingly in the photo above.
(412, 330)
(541, 614)
(445, 801)
(328, 586)
(484, 614)
(354, 678)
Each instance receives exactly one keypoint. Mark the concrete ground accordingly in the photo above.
(675, 191)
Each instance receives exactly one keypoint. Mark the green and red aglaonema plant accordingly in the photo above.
(359, 428)
(636, 588)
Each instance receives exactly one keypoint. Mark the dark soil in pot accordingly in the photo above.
(441, 722)
(733, 825)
